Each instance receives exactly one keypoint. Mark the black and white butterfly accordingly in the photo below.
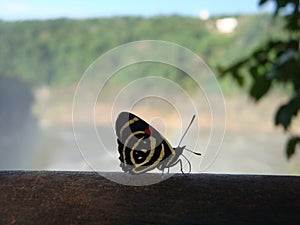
(142, 148)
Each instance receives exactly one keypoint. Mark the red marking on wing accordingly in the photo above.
(148, 131)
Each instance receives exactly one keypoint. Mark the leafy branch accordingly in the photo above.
(277, 61)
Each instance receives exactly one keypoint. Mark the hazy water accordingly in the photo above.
(241, 152)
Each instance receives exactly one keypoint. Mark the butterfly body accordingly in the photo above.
(141, 147)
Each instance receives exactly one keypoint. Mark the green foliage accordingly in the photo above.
(57, 52)
(275, 62)
(291, 146)
(287, 111)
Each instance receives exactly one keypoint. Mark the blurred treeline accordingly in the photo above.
(57, 52)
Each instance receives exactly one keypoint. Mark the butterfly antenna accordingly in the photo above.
(196, 153)
(192, 120)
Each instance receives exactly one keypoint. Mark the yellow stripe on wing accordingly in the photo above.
(126, 143)
(138, 170)
(127, 124)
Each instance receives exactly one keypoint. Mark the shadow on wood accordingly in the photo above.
(87, 198)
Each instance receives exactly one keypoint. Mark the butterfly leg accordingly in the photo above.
(181, 167)
(190, 166)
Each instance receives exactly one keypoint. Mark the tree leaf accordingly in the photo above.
(261, 2)
(286, 112)
(291, 146)
(283, 116)
(260, 87)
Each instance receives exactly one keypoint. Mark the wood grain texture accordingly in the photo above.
(88, 198)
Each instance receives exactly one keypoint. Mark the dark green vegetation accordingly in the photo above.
(57, 52)
(274, 63)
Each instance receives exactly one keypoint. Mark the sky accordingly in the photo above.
(11, 10)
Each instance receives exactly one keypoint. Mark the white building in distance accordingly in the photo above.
(226, 25)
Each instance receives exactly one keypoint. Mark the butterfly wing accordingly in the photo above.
(141, 147)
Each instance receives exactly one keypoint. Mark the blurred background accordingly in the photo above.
(46, 46)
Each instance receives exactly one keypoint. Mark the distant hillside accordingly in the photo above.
(57, 52)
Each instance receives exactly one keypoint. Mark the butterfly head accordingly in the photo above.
(179, 149)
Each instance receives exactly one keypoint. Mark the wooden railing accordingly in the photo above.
(88, 198)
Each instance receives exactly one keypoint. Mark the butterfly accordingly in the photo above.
(142, 148)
